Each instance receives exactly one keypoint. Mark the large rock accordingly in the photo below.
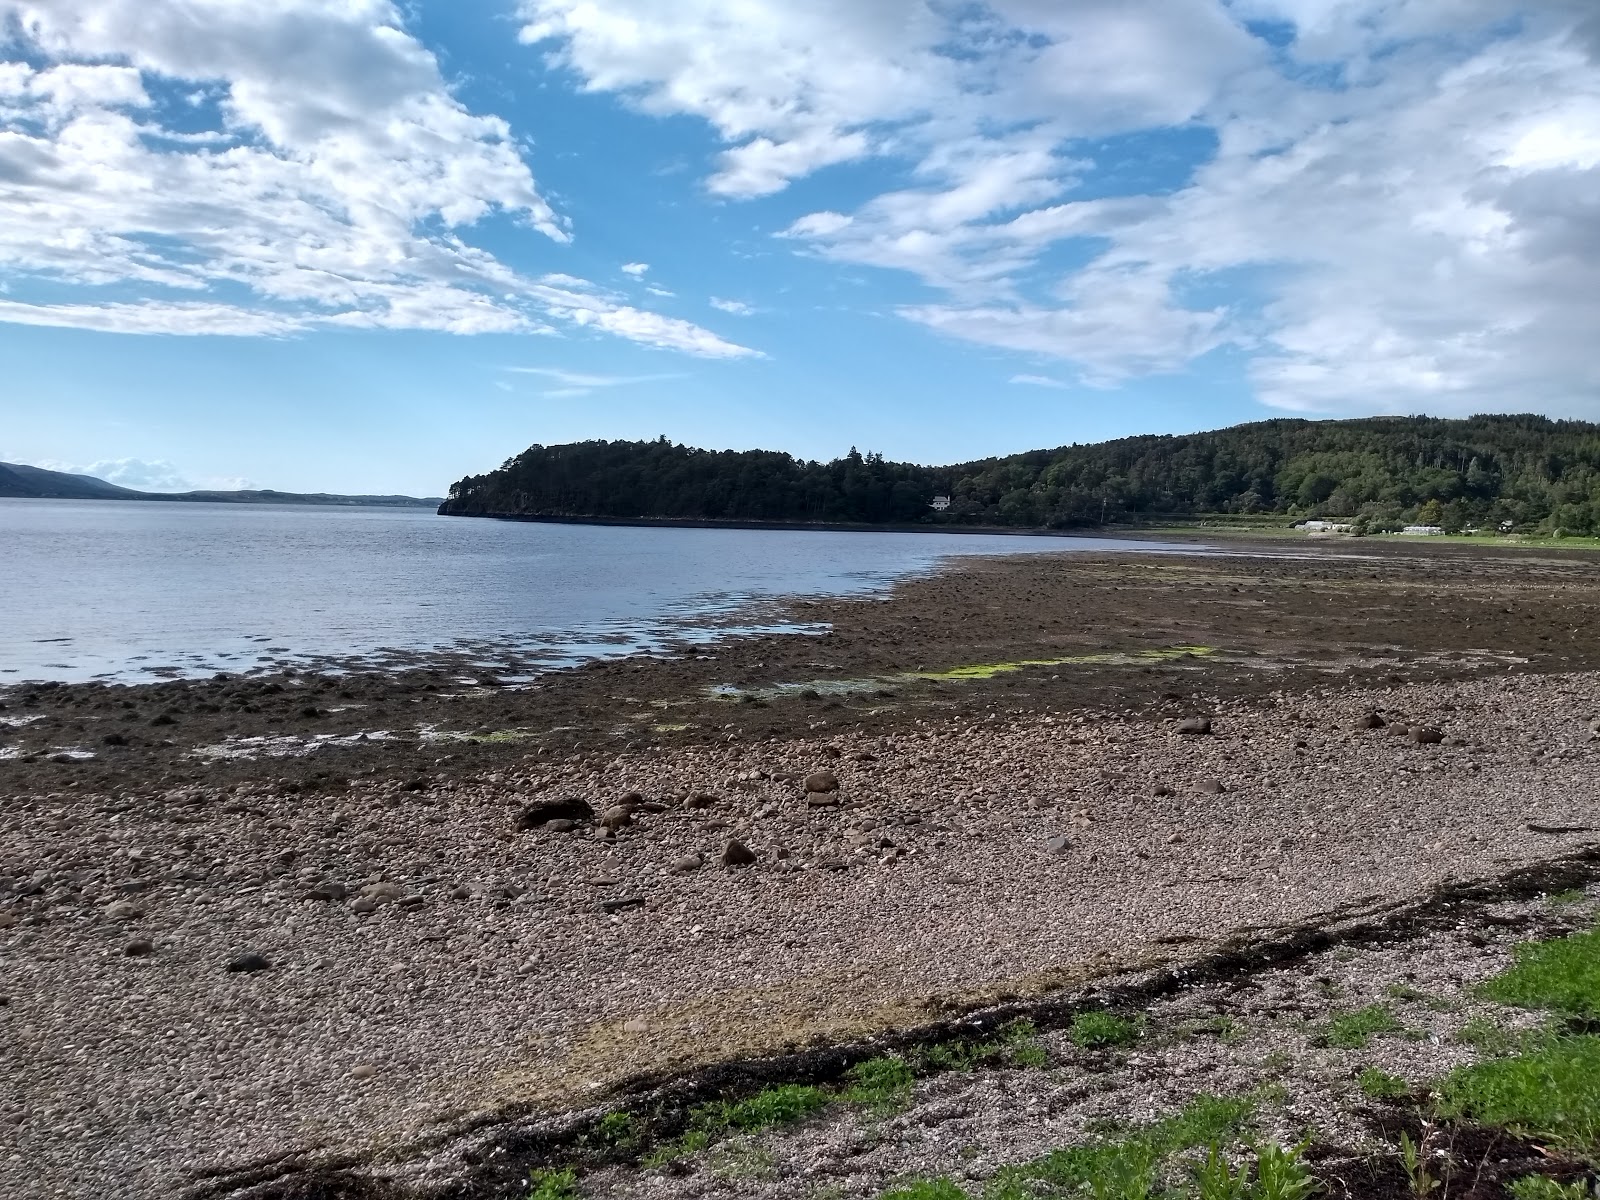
(617, 817)
(737, 854)
(822, 782)
(1194, 725)
(1371, 721)
(248, 964)
(1426, 737)
(535, 816)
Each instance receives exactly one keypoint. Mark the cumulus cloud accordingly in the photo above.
(1397, 211)
(145, 475)
(636, 269)
(333, 183)
(737, 307)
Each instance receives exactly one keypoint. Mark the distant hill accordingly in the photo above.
(1483, 471)
(19, 480)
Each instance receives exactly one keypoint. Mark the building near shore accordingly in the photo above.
(1329, 525)
(1423, 530)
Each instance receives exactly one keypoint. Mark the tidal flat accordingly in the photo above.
(318, 930)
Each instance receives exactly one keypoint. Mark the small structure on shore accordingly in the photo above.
(1423, 530)
(940, 503)
(1329, 525)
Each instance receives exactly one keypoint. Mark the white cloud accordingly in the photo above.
(737, 307)
(1408, 225)
(586, 379)
(334, 184)
(636, 269)
(145, 475)
(1038, 381)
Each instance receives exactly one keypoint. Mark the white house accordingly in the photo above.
(940, 503)
(1423, 530)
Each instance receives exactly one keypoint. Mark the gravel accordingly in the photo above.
(435, 953)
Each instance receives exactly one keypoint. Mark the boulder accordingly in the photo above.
(617, 817)
(1371, 721)
(737, 854)
(1423, 736)
(248, 964)
(1194, 725)
(822, 781)
(535, 816)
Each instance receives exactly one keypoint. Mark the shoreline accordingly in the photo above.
(437, 950)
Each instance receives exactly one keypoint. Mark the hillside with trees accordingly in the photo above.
(1528, 472)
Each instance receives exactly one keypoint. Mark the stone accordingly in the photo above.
(1426, 737)
(1398, 729)
(114, 739)
(139, 948)
(364, 905)
(326, 892)
(700, 800)
(248, 964)
(822, 799)
(1161, 789)
(822, 782)
(737, 854)
(1058, 845)
(559, 825)
(383, 893)
(688, 863)
(1194, 725)
(618, 816)
(1210, 787)
(461, 893)
(604, 833)
(620, 904)
(571, 810)
(1371, 721)
(630, 800)
(363, 1071)
(123, 911)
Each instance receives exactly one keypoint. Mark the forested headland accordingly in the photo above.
(1528, 473)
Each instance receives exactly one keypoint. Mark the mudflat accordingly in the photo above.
(296, 919)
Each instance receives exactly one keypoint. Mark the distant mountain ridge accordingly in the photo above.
(19, 480)
(1521, 471)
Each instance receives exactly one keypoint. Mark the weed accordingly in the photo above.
(1540, 1187)
(942, 1188)
(1381, 1085)
(1096, 1030)
(1487, 1037)
(1417, 1162)
(827, 1191)
(1214, 1179)
(1017, 1044)
(1550, 1091)
(1559, 900)
(1562, 975)
(1353, 1030)
(1022, 1045)
(881, 1084)
(773, 1106)
(1282, 1174)
(615, 1131)
(553, 1185)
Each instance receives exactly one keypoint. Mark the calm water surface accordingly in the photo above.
(138, 590)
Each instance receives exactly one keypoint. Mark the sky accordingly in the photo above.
(374, 246)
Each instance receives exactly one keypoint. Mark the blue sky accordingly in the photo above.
(355, 245)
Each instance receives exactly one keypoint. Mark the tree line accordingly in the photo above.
(1528, 473)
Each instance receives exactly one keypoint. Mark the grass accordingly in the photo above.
(1017, 1044)
(1097, 1030)
(1381, 1085)
(1550, 1091)
(553, 1185)
(1562, 899)
(1486, 1037)
(881, 1084)
(942, 1188)
(1128, 1168)
(708, 1123)
(1354, 1030)
(1561, 975)
(1540, 1187)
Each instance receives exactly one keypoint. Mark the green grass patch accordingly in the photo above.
(1562, 975)
(1486, 1037)
(1562, 900)
(881, 1084)
(779, 1105)
(553, 1185)
(1017, 1044)
(1550, 1091)
(1381, 1085)
(1097, 1030)
(1354, 1030)
(942, 1188)
(1542, 1187)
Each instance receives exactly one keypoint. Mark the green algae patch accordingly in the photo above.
(975, 672)
(990, 670)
